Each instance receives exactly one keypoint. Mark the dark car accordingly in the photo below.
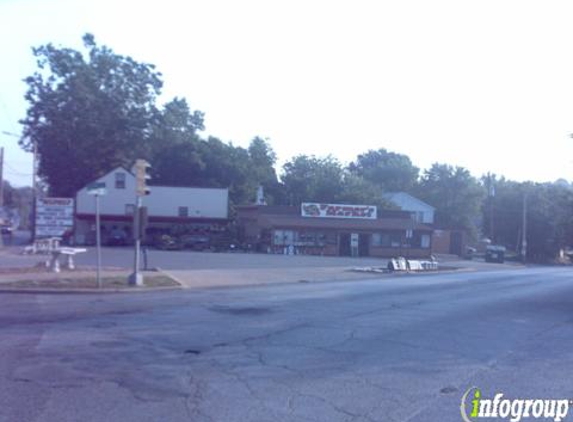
(6, 229)
(495, 253)
(196, 242)
(117, 237)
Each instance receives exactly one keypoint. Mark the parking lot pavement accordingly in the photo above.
(206, 269)
(189, 260)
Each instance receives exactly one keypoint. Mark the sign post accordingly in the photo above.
(97, 189)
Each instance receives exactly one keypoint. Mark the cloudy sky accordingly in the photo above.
(486, 85)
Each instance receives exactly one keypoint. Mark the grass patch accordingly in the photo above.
(70, 282)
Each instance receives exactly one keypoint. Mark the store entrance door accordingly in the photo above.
(364, 245)
(344, 244)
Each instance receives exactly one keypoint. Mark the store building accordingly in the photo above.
(333, 229)
(201, 211)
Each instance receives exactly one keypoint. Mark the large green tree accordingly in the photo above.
(455, 193)
(311, 178)
(390, 171)
(89, 111)
(324, 179)
(263, 173)
(549, 216)
(175, 124)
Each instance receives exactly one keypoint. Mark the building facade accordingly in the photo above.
(333, 230)
(423, 213)
(200, 210)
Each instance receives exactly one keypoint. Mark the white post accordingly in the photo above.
(98, 243)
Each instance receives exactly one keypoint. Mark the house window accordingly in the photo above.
(425, 241)
(120, 180)
(129, 209)
(183, 211)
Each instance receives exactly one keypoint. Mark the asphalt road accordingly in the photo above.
(388, 350)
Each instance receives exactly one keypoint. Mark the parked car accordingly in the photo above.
(167, 242)
(495, 253)
(117, 237)
(196, 242)
(6, 229)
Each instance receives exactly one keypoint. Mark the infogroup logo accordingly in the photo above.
(475, 407)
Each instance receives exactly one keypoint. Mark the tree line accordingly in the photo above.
(93, 110)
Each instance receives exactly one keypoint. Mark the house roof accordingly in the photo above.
(289, 221)
(393, 195)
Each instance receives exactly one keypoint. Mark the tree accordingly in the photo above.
(456, 195)
(18, 204)
(357, 190)
(263, 159)
(390, 171)
(88, 112)
(549, 217)
(310, 178)
(173, 126)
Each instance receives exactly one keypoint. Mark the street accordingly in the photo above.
(402, 349)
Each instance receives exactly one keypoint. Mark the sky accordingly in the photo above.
(485, 85)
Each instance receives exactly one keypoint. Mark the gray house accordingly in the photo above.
(422, 212)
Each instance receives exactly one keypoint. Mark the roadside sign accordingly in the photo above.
(54, 216)
(97, 188)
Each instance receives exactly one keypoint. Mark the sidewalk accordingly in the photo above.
(255, 276)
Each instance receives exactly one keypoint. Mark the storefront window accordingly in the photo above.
(385, 240)
(395, 240)
(284, 237)
(299, 238)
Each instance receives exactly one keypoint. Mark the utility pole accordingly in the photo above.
(491, 194)
(34, 187)
(98, 242)
(97, 189)
(524, 230)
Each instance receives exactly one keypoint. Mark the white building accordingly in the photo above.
(422, 212)
(199, 208)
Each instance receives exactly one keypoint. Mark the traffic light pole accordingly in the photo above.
(136, 278)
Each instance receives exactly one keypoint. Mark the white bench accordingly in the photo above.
(43, 246)
(69, 253)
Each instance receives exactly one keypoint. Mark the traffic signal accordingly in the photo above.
(141, 177)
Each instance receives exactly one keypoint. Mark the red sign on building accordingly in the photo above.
(317, 210)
